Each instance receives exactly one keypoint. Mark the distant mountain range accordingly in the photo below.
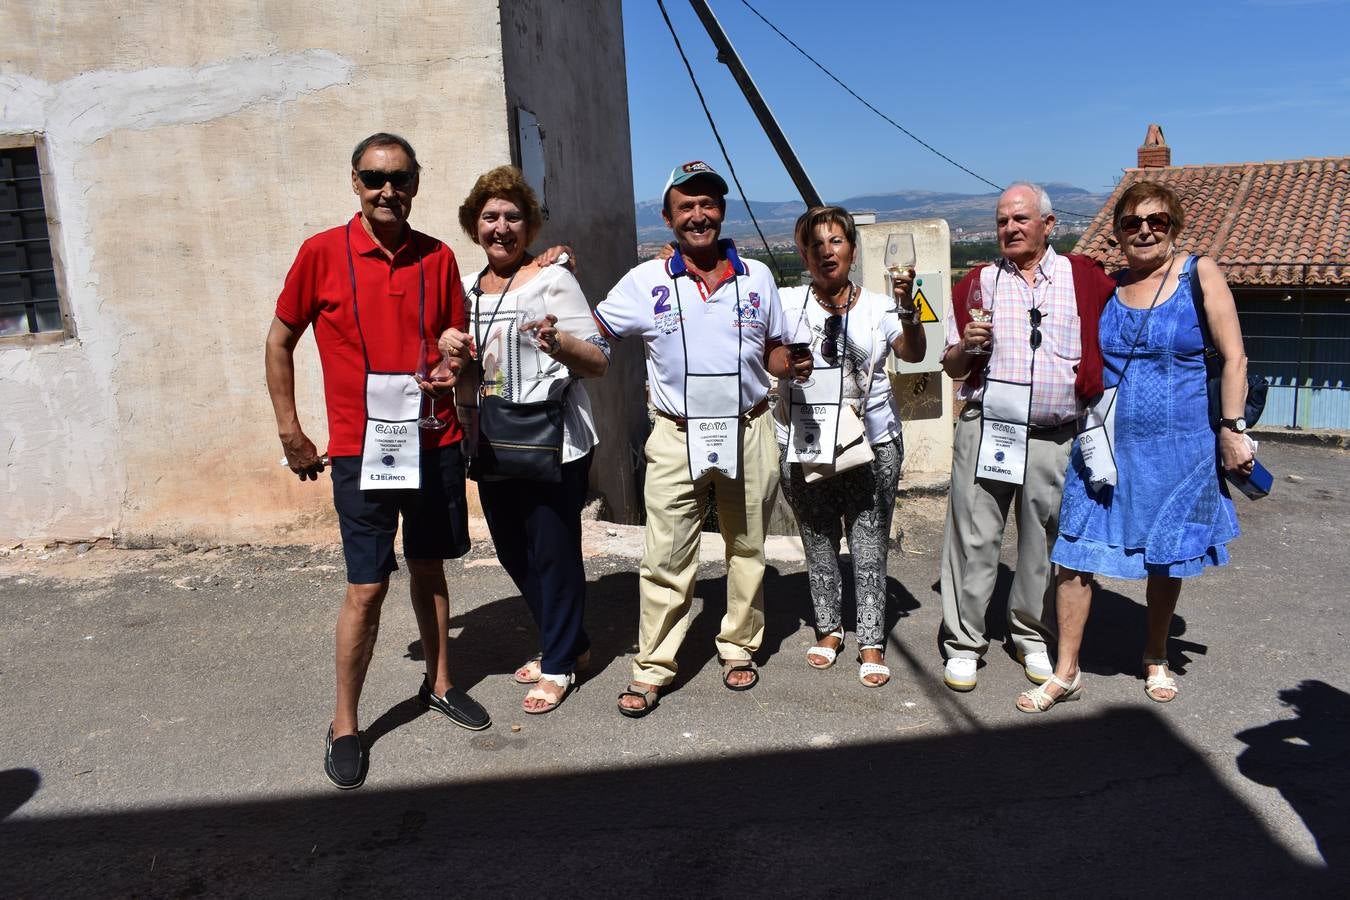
(970, 215)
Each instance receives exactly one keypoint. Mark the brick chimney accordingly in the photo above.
(1154, 154)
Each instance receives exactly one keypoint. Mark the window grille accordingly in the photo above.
(29, 301)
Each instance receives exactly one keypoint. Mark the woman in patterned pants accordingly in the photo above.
(855, 330)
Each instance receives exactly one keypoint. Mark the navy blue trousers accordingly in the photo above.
(536, 528)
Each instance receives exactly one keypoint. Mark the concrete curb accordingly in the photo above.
(1323, 438)
(931, 488)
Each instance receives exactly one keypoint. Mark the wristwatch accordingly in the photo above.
(1238, 425)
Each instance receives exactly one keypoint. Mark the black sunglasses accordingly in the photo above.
(1157, 223)
(1035, 328)
(829, 344)
(374, 179)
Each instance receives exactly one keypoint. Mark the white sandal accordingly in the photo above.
(829, 654)
(1160, 682)
(534, 668)
(1041, 699)
(871, 668)
(567, 682)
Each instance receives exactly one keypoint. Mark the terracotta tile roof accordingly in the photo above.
(1245, 215)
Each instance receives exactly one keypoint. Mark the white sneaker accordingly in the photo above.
(1038, 667)
(959, 673)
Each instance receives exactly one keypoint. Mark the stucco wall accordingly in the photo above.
(564, 62)
(928, 437)
(192, 147)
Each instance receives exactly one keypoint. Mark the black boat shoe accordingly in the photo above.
(345, 760)
(457, 706)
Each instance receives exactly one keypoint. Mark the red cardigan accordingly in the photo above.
(1092, 287)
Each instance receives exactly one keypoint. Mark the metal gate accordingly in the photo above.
(1298, 337)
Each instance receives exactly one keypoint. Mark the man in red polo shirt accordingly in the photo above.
(374, 290)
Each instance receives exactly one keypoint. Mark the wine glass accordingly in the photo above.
(799, 346)
(978, 312)
(432, 367)
(532, 311)
(899, 256)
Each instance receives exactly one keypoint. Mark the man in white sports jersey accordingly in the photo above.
(713, 333)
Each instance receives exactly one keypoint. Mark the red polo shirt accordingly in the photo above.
(318, 292)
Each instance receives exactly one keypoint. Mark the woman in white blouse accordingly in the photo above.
(531, 331)
(855, 330)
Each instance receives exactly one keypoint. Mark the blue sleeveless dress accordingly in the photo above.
(1167, 514)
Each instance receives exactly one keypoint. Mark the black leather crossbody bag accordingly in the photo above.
(517, 440)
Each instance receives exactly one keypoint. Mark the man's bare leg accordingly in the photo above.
(431, 606)
(358, 626)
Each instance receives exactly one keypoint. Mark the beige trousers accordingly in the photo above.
(977, 514)
(675, 509)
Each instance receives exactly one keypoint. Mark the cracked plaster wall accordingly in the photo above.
(192, 147)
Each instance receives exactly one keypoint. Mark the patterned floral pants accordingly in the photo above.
(862, 501)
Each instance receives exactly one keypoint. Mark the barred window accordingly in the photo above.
(29, 300)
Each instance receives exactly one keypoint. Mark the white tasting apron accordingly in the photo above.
(1003, 431)
(712, 431)
(1097, 441)
(813, 416)
(391, 447)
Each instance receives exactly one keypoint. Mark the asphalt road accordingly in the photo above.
(164, 714)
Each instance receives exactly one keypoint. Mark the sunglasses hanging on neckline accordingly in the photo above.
(829, 343)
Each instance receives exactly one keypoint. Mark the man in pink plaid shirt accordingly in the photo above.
(1039, 362)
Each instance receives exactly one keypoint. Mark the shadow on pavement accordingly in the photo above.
(1114, 805)
(495, 637)
(17, 787)
(1113, 641)
(502, 630)
(1308, 759)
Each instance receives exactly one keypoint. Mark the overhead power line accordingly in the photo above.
(902, 129)
(773, 261)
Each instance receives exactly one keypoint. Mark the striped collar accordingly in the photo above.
(675, 266)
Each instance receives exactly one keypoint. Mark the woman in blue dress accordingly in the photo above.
(1167, 516)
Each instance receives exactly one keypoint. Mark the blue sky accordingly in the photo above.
(1065, 93)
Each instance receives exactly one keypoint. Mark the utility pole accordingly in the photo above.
(726, 54)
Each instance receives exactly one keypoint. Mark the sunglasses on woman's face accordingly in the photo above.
(374, 179)
(1157, 223)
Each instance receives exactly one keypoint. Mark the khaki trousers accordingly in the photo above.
(977, 514)
(675, 509)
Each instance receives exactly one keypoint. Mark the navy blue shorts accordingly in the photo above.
(435, 517)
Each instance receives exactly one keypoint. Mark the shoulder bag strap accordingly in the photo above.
(1213, 365)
